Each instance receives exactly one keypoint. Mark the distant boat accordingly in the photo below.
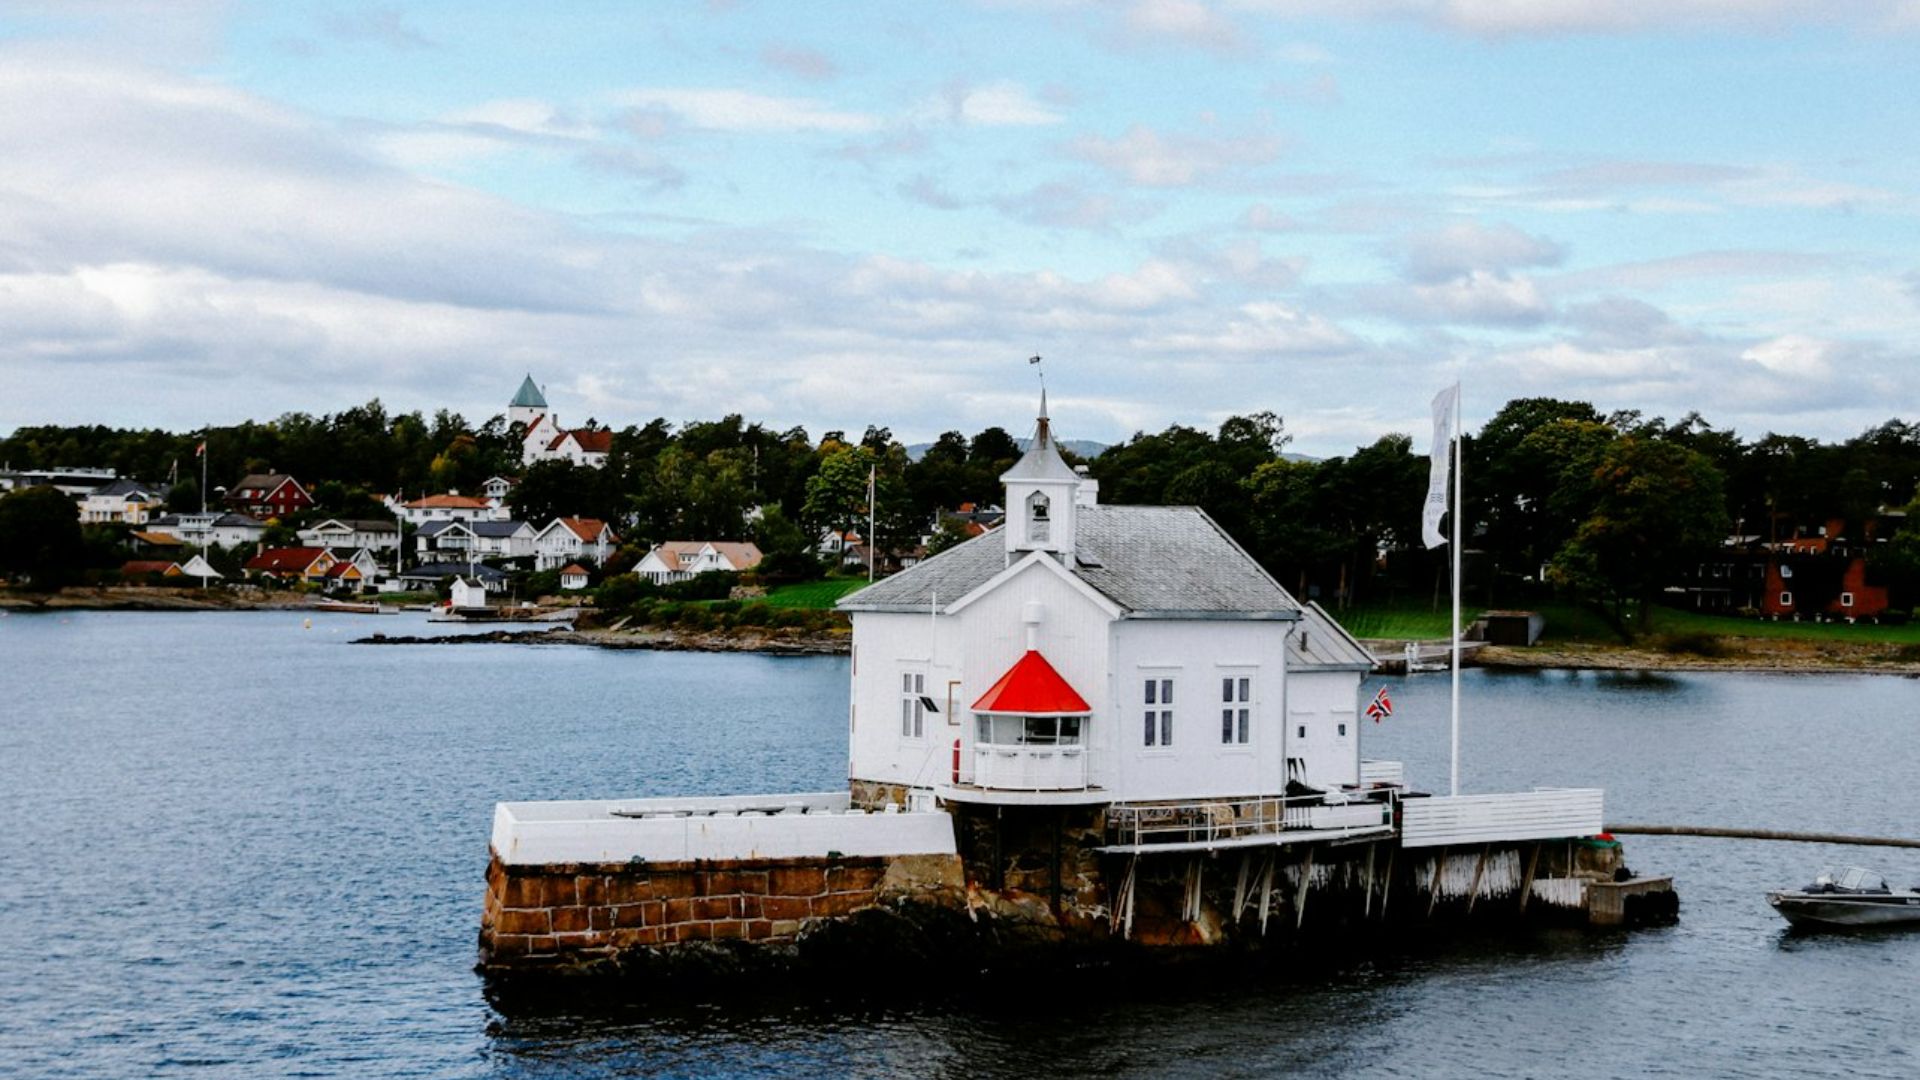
(351, 607)
(1853, 897)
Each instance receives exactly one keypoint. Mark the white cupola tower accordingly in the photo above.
(1041, 491)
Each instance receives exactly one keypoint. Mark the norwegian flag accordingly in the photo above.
(1381, 706)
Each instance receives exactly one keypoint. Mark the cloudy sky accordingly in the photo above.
(838, 214)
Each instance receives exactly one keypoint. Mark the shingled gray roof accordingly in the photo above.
(1322, 644)
(1152, 561)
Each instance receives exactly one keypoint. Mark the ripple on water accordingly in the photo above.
(268, 861)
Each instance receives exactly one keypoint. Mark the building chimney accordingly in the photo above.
(1088, 491)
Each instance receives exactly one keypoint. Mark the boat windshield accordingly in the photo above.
(1856, 879)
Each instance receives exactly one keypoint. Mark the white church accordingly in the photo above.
(545, 440)
(1087, 654)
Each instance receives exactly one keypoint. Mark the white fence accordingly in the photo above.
(1546, 814)
(1383, 772)
(737, 827)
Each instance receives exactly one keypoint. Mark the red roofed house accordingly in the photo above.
(452, 506)
(678, 560)
(268, 495)
(292, 564)
(566, 540)
(543, 439)
(135, 570)
(1064, 659)
(573, 577)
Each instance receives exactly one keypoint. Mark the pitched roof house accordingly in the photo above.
(566, 540)
(293, 563)
(678, 560)
(123, 502)
(1089, 654)
(268, 495)
(543, 439)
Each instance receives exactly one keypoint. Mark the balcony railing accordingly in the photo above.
(1225, 821)
(1030, 767)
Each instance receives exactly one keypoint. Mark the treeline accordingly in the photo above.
(1605, 507)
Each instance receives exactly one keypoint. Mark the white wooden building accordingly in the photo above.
(679, 560)
(1097, 654)
(566, 540)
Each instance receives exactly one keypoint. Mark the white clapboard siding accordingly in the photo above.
(1481, 819)
(1382, 772)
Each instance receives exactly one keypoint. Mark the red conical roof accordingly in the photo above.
(1031, 687)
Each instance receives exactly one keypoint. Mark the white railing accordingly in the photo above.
(1545, 814)
(1027, 767)
(1215, 820)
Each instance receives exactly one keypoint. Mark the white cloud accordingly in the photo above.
(744, 111)
(1148, 158)
(1469, 246)
(1000, 104)
(1189, 22)
(1515, 18)
(1794, 355)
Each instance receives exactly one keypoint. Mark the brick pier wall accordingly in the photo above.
(584, 915)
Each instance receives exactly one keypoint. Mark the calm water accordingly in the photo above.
(236, 847)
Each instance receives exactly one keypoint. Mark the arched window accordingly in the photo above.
(1038, 523)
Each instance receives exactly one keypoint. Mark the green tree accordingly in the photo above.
(40, 537)
(837, 494)
(1656, 506)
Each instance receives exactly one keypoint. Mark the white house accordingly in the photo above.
(1095, 654)
(542, 437)
(451, 506)
(566, 540)
(678, 560)
(352, 534)
(573, 577)
(485, 539)
(215, 528)
(123, 502)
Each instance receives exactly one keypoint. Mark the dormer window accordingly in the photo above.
(1038, 523)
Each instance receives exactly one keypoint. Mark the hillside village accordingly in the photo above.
(1617, 512)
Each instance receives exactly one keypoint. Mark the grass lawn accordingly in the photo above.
(813, 594)
(1567, 622)
(1406, 622)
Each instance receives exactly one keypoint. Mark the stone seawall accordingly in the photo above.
(588, 917)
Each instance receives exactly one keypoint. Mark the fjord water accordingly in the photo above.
(235, 846)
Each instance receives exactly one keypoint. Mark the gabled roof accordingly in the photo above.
(159, 539)
(573, 568)
(1321, 644)
(431, 529)
(136, 567)
(124, 488)
(365, 525)
(287, 559)
(450, 502)
(529, 396)
(1151, 561)
(437, 570)
(1032, 687)
(584, 528)
(592, 440)
(496, 529)
(267, 482)
(740, 555)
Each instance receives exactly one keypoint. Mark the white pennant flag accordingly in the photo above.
(1443, 407)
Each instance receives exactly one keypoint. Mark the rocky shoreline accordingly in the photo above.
(145, 598)
(778, 642)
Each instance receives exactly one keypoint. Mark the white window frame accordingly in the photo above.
(1236, 708)
(1846, 599)
(1157, 700)
(1786, 598)
(913, 708)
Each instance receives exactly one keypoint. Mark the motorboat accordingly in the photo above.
(1848, 897)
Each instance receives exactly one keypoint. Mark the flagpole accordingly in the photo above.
(871, 474)
(1455, 764)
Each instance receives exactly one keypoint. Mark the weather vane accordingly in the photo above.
(1038, 370)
